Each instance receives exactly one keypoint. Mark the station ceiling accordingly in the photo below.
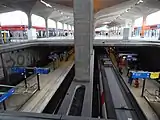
(107, 12)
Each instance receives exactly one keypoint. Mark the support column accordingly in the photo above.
(131, 28)
(143, 26)
(1, 38)
(47, 30)
(67, 28)
(83, 37)
(72, 30)
(56, 28)
(63, 28)
(31, 32)
(126, 31)
(29, 21)
(159, 35)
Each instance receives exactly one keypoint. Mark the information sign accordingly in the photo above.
(41, 70)
(154, 75)
(142, 75)
(18, 69)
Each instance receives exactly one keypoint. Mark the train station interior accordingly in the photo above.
(79, 60)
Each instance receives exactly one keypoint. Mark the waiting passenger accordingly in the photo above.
(136, 83)
(128, 69)
(130, 79)
(120, 70)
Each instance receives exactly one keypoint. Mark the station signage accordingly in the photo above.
(140, 75)
(35, 70)
(18, 69)
(41, 70)
(154, 75)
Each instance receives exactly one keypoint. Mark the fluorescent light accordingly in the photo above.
(106, 22)
(61, 13)
(127, 10)
(140, 1)
(48, 5)
(124, 57)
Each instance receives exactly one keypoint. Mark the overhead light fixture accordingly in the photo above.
(48, 5)
(140, 1)
(61, 13)
(106, 22)
(127, 10)
(68, 17)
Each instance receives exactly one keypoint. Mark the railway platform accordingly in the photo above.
(32, 100)
(137, 92)
(150, 86)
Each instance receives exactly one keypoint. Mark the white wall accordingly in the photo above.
(153, 19)
(138, 22)
(51, 23)
(65, 26)
(69, 27)
(59, 26)
(38, 21)
(14, 18)
(20, 18)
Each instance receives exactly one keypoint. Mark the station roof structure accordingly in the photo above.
(111, 13)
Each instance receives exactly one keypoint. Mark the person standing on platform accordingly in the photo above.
(128, 69)
(136, 83)
(130, 79)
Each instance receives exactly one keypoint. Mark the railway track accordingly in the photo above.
(120, 103)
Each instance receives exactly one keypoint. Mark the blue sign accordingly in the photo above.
(41, 70)
(18, 69)
(7, 95)
(144, 75)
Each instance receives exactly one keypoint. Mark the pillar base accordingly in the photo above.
(126, 33)
(32, 34)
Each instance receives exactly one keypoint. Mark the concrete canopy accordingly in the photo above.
(43, 8)
(107, 12)
(129, 10)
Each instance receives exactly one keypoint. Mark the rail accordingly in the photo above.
(130, 96)
(127, 102)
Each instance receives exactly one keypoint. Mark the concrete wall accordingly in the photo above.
(24, 57)
(1, 69)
